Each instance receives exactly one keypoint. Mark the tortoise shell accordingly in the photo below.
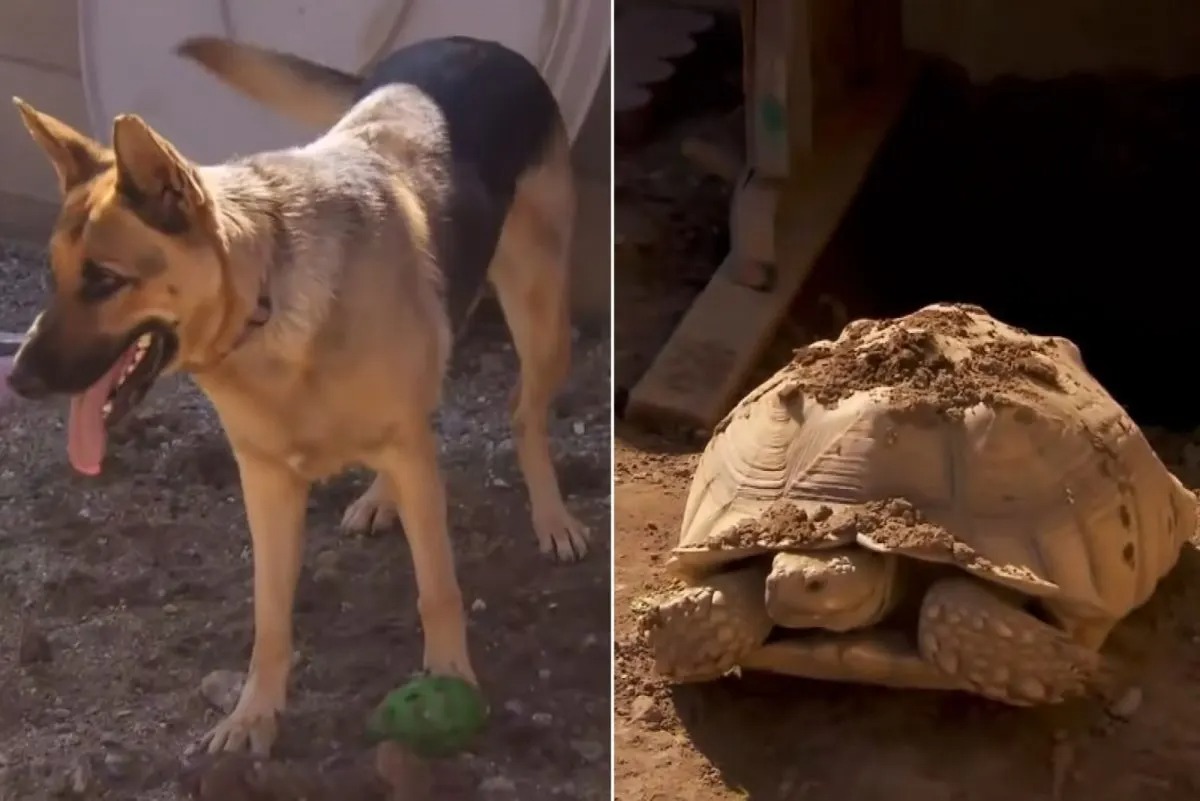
(945, 436)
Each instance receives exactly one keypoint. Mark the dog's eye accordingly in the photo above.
(99, 282)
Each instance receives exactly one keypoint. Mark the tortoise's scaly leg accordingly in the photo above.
(702, 632)
(998, 649)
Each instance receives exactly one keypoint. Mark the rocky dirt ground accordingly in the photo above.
(119, 595)
(766, 738)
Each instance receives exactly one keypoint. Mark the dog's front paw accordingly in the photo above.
(371, 513)
(254, 722)
(561, 534)
(451, 667)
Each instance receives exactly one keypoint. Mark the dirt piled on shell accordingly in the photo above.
(897, 525)
(910, 359)
(893, 524)
(783, 525)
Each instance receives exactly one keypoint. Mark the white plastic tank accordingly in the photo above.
(128, 65)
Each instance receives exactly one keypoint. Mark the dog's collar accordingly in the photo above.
(259, 316)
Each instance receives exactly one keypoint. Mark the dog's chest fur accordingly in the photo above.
(314, 436)
(317, 422)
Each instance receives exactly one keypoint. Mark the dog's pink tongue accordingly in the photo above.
(86, 434)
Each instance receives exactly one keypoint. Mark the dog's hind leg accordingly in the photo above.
(530, 275)
(374, 510)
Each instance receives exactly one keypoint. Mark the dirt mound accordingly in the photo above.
(914, 357)
(783, 525)
(892, 523)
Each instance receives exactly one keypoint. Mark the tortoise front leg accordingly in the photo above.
(1001, 651)
(700, 633)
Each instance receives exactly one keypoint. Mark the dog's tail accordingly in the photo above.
(297, 88)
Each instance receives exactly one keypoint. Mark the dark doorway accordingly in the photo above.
(1068, 207)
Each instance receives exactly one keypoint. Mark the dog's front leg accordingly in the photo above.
(411, 468)
(276, 500)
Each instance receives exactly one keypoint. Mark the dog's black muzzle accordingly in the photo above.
(44, 366)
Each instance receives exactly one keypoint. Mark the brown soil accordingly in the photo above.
(892, 522)
(767, 738)
(118, 595)
(911, 362)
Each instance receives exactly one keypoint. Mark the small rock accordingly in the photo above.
(34, 647)
(81, 776)
(221, 688)
(544, 674)
(1127, 704)
(478, 605)
(542, 718)
(325, 567)
(590, 750)
(170, 609)
(116, 763)
(578, 427)
(514, 708)
(644, 710)
(326, 560)
(497, 784)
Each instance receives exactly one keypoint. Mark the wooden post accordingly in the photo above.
(780, 93)
(824, 80)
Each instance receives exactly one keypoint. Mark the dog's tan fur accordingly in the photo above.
(348, 368)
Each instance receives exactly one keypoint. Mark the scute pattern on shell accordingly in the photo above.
(947, 436)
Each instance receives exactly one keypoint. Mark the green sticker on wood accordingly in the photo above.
(771, 112)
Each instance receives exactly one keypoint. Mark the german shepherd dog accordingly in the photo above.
(314, 293)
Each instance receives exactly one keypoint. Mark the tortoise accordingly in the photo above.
(938, 501)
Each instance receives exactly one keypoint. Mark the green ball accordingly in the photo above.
(432, 715)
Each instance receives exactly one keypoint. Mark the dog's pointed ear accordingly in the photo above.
(75, 157)
(161, 186)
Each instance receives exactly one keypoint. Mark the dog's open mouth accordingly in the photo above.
(120, 389)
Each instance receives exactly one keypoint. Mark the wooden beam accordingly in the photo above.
(698, 374)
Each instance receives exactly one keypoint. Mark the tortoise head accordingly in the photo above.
(839, 589)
